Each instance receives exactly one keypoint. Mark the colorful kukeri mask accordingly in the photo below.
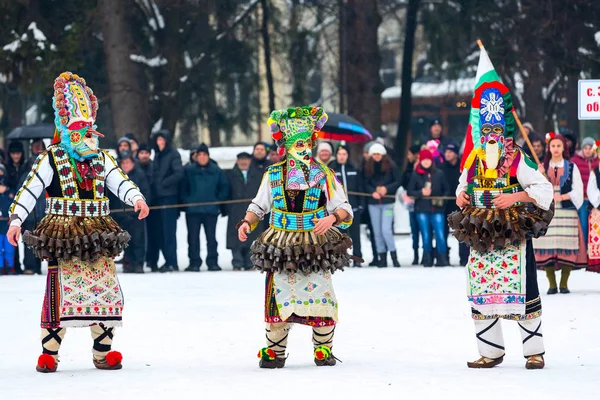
(295, 131)
(492, 126)
(75, 110)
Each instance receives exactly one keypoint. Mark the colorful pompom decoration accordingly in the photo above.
(596, 145)
(266, 354)
(550, 136)
(277, 136)
(114, 358)
(322, 352)
(46, 361)
(281, 151)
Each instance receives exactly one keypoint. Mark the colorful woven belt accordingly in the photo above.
(296, 222)
(482, 198)
(77, 208)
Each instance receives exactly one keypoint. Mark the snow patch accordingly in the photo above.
(584, 51)
(157, 126)
(68, 27)
(187, 60)
(597, 37)
(12, 46)
(183, 78)
(153, 62)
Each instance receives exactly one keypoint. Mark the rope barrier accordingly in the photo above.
(212, 203)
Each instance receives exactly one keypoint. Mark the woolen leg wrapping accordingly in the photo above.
(490, 340)
(277, 337)
(323, 336)
(531, 334)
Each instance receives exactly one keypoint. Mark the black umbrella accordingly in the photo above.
(343, 127)
(36, 131)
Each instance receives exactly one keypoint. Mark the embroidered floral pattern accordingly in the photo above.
(497, 280)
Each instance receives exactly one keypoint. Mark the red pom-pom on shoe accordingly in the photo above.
(46, 361)
(113, 358)
(319, 355)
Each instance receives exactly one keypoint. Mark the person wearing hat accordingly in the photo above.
(586, 160)
(366, 218)
(167, 174)
(351, 179)
(382, 180)
(593, 195)
(135, 145)
(259, 156)
(451, 168)
(203, 182)
(145, 162)
(436, 133)
(123, 146)
(243, 179)
(324, 152)
(134, 253)
(429, 181)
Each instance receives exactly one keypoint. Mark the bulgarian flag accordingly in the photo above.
(485, 73)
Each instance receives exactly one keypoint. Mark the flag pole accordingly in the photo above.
(525, 136)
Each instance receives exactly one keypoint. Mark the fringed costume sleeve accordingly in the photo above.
(26, 198)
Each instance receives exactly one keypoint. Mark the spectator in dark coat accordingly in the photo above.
(411, 156)
(7, 251)
(32, 265)
(203, 182)
(167, 173)
(244, 181)
(259, 156)
(352, 180)
(144, 161)
(15, 165)
(135, 252)
(451, 168)
(382, 179)
(16, 169)
(427, 181)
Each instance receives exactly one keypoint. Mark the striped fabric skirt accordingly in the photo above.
(563, 244)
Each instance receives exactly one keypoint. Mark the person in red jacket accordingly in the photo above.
(586, 160)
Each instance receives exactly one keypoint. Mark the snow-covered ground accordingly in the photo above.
(403, 334)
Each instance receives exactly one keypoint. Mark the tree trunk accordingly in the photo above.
(403, 133)
(129, 102)
(535, 112)
(267, 50)
(363, 96)
(572, 105)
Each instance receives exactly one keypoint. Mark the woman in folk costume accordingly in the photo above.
(563, 247)
(77, 236)
(593, 193)
(504, 201)
(302, 248)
